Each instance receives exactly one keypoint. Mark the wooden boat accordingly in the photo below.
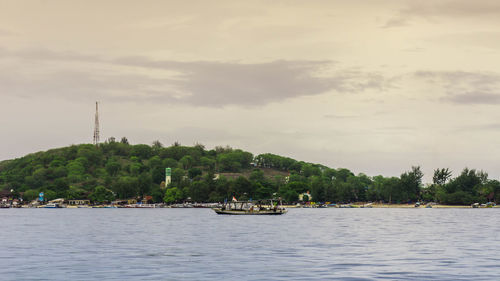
(52, 206)
(262, 207)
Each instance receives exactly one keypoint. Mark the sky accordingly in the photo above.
(373, 86)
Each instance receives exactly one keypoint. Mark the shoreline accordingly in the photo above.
(357, 205)
(393, 206)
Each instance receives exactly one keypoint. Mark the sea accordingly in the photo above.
(197, 244)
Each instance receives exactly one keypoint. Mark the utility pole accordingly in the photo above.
(96, 125)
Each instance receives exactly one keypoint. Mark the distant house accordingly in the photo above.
(16, 203)
(58, 201)
(77, 202)
(119, 202)
(5, 202)
(5, 193)
(147, 199)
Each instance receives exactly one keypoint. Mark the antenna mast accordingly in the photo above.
(96, 125)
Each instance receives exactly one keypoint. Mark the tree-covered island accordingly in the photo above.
(118, 170)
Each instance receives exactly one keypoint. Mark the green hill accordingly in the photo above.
(118, 170)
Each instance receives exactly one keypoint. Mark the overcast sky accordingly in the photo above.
(373, 86)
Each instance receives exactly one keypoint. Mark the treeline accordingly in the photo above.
(118, 170)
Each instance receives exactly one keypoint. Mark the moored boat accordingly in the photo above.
(51, 206)
(261, 207)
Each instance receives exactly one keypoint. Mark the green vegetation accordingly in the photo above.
(119, 170)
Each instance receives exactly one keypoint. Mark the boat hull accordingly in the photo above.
(249, 213)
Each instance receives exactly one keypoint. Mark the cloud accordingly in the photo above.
(223, 83)
(454, 8)
(488, 127)
(475, 98)
(433, 11)
(47, 55)
(79, 85)
(339, 116)
(396, 22)
(484, 40)
(5, 32)
(199, 83)
(465, 87)
(491, 126)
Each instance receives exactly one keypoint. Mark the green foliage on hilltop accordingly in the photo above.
(119, 170)
(469, 187)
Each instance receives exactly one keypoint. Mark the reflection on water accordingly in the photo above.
(197, 244)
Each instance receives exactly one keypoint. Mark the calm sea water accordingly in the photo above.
(197, 244)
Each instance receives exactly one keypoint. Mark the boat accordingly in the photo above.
(261, 207)
(52, 205)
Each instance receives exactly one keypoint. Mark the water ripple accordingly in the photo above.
(196, 244)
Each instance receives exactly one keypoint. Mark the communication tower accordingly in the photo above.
(96, 125)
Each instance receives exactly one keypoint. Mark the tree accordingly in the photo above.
(227, 163)
(154, 162)
(317, 189)
(30, 195)
(263, 191)
(309, 170)
(257, 175)
(156, 147)
(199, 191)
(158, 174)
(101, 195)
(157, 193)
(343, 174)
(466, 181)
(145, 182)
(112, 167)
(177, 175)
(243, 186)
(49, 195)
(388, 189)
(441, 176)
(411, 183)
(76, 170)
(357, 186)
(76, 193)
(288, 194)
(91, 154)
(223, 187)
(60, 185)
(172, 195)
(194, 172)
(142, 151)
(298, 187)
(234, 160)
(136, 168)
(207, 163)
(126, 187)
(186, 161)
(169, 163)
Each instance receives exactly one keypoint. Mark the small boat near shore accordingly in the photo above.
(261, 207)
(51, 206)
